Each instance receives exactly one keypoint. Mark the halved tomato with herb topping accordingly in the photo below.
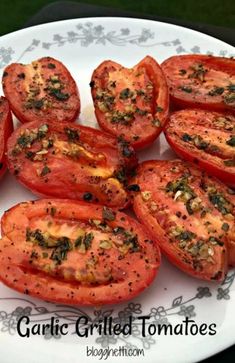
(131, 102)
(75, 253)
(190, 214)
(6, 128)
(71, 161)
(202, 81)
(205, 138)
(43, 90)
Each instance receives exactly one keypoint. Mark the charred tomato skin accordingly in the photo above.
(131, 102)
(201, 81)
(43, 90)
(75, 253)
(190, 214)
(205, 138)
(6, 128)
(65, 160)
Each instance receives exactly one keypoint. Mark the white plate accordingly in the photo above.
(81, 44)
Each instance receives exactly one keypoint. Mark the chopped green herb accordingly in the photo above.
(72, 134)
(220, 202)
(132, 241)
(231, 141)
(108, 214)
(198, 72)
(21, 75)
(127, 151)
(83, 243)
(87, 239)
(229, 162)
(231, 87)
(118, 230)
(229, 98)
(140, 92)
(87, 196)
(216, 91)
(186, 137)
(53, 211)
(56, 92)
(225, 227)
(199, 142)
(122, 117)
(33, 103)
(26, 140)
(141, 112)
(51, 66)
(215, 241)
(42, 131)
(133, 188)
(29, 155)
(182, 72)
(63, 246)
(186, 89)
(121, 176)
(78, 241)
(45, 170)
(126, 93)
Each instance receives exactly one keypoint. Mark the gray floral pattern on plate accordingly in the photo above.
(157, 315)
(86, 34)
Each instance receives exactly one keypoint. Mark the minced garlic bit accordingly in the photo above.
(146, 195)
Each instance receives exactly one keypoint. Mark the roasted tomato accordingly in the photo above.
(131, 102)
(71, 161)
(190, 214)
(43, 90)
(205, 138)
(75, 253)
(6, 128)
(201, 81)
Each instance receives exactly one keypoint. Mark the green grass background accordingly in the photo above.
(14, 13)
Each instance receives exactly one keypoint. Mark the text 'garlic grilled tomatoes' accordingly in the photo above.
(41, 91)
(132, 102)
(75, 253)
(190, 214)
(71, 161)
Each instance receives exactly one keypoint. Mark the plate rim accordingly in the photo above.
(109, 18)
(10, 36)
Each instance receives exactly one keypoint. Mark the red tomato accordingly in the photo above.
(6, 128)
(201, 81)
(43, 90)
(190, 214)
(75, 253)
(71, 161)
(131, 102)
(205, 138)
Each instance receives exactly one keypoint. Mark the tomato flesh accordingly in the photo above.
(205, 138)
(131, 102)
(71, 161)
(6, 128)
(43, 90)
(75, 253)
(190, 214)
(201, 81)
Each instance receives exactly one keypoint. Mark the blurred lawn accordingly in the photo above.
(14, 13)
